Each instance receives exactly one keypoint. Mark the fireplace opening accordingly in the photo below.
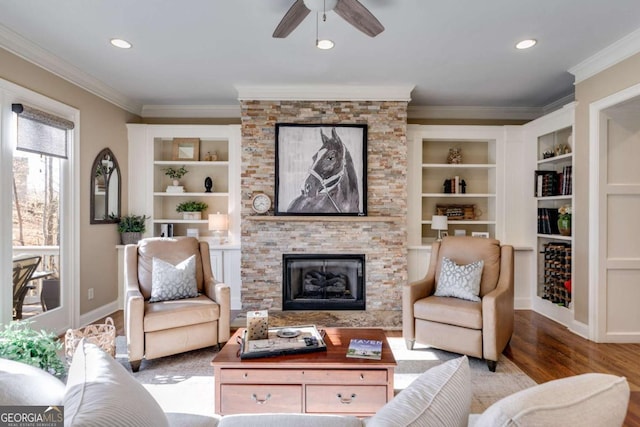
(323, 282)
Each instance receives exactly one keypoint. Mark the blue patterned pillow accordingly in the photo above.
(460, 281)
(170, 282)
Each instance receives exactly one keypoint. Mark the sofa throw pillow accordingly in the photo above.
(439, 397)
(169, 282)
(595, 400)
(460, 281)
(100, 392)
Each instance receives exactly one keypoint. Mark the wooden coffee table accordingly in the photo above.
(321, 382)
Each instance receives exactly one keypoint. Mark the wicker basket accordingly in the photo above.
(102, 335)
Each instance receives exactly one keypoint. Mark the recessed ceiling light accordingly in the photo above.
(122, 44)
(325, 44)
(526, 44)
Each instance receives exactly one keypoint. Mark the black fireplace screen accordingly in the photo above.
(323, 282)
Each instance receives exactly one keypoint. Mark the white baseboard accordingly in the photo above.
(522, 303)
(98, 313)
(579, 328)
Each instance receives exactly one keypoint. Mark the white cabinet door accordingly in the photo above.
(217, 269)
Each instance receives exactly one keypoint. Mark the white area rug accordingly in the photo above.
(184, 382)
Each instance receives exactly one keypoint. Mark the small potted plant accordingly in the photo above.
(564, 220)
(191, 210)
(19, 342)
(131, 228)
(175, 174)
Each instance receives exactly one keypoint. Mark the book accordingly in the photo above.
(365, 349)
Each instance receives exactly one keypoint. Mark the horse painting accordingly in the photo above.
(331, 185)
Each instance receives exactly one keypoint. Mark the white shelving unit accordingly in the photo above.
(482, 149)
(546, 138)
(150, 152)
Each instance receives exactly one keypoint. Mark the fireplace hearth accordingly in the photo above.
(323, 282)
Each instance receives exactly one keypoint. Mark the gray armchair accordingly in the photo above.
(158, 329)
(479, 329)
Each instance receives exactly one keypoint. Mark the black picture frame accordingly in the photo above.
(338, 184)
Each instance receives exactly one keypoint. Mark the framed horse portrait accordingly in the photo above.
(321, 169)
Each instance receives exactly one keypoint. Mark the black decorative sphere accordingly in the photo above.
(208, 184)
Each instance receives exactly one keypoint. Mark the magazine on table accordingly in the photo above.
(365, 349)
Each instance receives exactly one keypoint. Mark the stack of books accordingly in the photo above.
(175, 189)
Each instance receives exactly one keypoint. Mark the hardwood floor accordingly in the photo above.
(546, 350)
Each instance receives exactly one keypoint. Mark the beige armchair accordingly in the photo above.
(479, 329)
(157, 329)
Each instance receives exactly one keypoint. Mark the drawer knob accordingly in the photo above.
(245, 375)
(361, 376)
(346, 400)
(261, 401)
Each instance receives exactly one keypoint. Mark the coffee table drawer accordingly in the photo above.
(249, 398)
(268, 376)
(342, 376)
(345, 398)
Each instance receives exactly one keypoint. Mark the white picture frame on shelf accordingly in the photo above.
(483, 234)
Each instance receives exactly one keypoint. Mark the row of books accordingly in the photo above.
(548, 221)
(552, 183)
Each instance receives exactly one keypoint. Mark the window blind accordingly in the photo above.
(40, 132)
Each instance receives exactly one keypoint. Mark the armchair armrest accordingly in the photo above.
(497, 309)
(412, 292)
(221, 294)
(133, 322)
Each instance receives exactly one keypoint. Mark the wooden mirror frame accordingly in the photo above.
(104, 212)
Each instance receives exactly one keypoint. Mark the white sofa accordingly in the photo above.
(100, 392)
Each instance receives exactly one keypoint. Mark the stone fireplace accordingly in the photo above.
(380, 236)
(323, 282)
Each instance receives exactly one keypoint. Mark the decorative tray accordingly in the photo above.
(283, 340)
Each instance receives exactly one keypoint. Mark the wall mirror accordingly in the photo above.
(105, 189)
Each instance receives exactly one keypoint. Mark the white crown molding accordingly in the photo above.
(325, 93)
(191, 111)
(476, 113)
(560, 103)
(33, 53)
(607, 57)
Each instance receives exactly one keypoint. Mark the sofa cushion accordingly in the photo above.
(439, 397)
(22, 384)
(100, 392)
(174, 314)
(601, 399)
(450, 311)
(173, 282)
(289, 420)
(459, 281)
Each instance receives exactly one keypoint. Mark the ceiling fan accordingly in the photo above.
(351, 11)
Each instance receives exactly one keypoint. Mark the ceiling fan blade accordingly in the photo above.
(359, 16)
(294, 16)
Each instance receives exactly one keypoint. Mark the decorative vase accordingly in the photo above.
(176, 182)
(564, 225)
(208, 184)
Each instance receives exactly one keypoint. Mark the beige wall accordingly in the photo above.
(608, 82)
(101, 125)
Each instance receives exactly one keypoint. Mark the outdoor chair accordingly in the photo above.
(23, 269)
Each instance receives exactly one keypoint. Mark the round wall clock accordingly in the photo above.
(261, 203)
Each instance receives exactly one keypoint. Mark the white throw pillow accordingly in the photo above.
(22, 384)
(439, 397)
(460, 281)
(100, 392)
(594, 400)
(169, 282)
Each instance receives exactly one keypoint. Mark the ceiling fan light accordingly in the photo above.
(526, 44)
(325, 44)
(121, 43)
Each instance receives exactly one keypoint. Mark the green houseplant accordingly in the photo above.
(131, 228)
(175, 174)
(192, 209)
(19, 342)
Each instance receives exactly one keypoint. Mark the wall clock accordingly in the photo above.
(261, 203)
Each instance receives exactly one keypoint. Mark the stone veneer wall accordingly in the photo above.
(383, 243)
